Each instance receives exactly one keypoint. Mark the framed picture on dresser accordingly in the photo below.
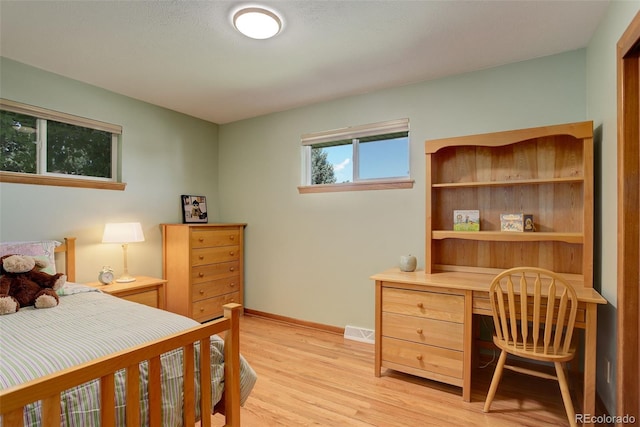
(194, 209)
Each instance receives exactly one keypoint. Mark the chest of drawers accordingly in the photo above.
(421, 331)
(204, 266)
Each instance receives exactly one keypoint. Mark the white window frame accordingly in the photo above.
(42, 176)
(354, 133)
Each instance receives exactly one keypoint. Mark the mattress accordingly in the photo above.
(88, 324)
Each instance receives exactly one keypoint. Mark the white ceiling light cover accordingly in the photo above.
(257, 23)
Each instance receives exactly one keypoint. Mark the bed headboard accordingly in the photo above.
(69, 250)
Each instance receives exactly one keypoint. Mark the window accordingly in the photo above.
(373, 156)
(40, 146)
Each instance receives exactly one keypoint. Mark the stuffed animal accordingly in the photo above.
(22, 284)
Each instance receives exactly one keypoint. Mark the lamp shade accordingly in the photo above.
(122, 232)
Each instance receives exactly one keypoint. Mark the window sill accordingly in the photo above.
(357, 186)
(27, 178)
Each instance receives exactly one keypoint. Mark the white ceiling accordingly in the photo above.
(186, 56)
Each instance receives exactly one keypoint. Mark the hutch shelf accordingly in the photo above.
(545, 171)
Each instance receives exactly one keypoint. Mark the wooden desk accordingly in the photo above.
(454, 296)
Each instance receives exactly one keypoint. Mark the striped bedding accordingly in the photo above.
(88, 324)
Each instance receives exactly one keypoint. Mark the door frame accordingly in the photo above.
(628, 280)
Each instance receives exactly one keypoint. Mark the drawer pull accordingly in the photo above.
(232, 253)
(232, 268)
(232, 284)
(201, 309)
(420, 305)
(232, 237)
(201, 239)
(201, 257)
(201, 291)
(419, 357)
(200, 274)
(419, 331)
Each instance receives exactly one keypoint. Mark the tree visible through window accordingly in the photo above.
(321, 170)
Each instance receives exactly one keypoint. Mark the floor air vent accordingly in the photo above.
(359, 334)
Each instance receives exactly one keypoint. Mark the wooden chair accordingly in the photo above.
(534, 319)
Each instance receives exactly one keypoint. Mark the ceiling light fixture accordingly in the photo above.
(257, 23)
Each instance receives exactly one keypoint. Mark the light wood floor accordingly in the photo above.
(308, 377)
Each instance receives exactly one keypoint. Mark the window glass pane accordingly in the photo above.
(18, 142)
(76, 150)
(332, 164)
(388, 158)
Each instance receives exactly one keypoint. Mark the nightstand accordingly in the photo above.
(145, 290)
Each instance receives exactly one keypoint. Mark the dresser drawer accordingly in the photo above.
(432, 305)
(210, 272)
(210, 238)
(212, 307)
(215, 288)
(423, 357)
(424, 331)
(204, 256)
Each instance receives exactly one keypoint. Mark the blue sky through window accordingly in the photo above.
(378, 159)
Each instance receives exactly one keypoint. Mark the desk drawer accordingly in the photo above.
(424, 331)
(431, 305)
(204, 256)
(482, 305)
(423, 357)
(200, 291)
(212, 307)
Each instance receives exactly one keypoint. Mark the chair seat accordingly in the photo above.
(536, 353)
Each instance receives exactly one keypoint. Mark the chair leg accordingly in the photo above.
(566, 395)
(497, 374)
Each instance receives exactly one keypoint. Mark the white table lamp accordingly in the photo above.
(123, 233)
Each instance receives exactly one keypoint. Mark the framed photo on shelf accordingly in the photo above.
(194, 209)
(466, 220)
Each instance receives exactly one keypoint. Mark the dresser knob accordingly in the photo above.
(232, 253)
(201, 239)
(232, 237)
(201, 292)
(232, 284)
(201, 309)
(201, 257)
(231, 268)
(419, 357)
(420, 305)
(419, 331)
(200, 274)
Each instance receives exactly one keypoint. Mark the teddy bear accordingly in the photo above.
(23, 284)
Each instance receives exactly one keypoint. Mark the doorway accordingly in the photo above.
(628, 346)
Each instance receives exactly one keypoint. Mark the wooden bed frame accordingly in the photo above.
(49, 387)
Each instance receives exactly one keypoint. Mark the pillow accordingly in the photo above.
(43, 249)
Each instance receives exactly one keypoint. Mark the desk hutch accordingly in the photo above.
(424, 319)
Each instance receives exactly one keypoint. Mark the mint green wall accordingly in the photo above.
(165, 154)
(602, 108)
(310, 256)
